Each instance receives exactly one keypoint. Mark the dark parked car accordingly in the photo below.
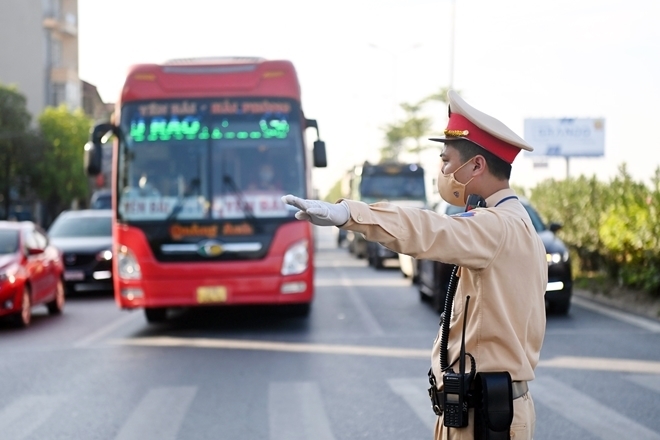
(85, 238)
(377, 254)
(101, 199)
(434, 276)
(30, 272)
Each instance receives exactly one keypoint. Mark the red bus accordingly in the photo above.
(203, 151)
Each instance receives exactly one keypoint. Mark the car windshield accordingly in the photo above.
(102, 201)
(68, 226)
(536, 219)
(8, 241)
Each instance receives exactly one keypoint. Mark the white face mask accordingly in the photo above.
(451, 190)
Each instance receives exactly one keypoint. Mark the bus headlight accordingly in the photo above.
(127, 265)
(296, 259)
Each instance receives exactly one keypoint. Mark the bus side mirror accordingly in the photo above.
(93, 155)
(92, 159)
(320, 159)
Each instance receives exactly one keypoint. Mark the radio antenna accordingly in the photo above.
(461, 362)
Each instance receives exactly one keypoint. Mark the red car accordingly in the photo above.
(30, 272)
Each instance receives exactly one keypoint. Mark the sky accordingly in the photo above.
(356, 60)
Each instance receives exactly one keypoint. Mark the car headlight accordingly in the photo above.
(296, 259)
(9, 273)
(105, 255)
(557, 257)
(127, 265)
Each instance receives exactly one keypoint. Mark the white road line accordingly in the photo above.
(291, 347)
(602, 364)
(414, 391)
(366, 317)
(647, 381)
(25, 415)
(106, 330)
(638, 321)
(296, 412)
(599, 420)
(368, 282)
(159, 415)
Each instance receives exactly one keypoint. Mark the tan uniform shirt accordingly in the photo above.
(503, 269)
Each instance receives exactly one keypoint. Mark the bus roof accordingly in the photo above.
(211, 77)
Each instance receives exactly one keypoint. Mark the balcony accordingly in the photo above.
(66, 25)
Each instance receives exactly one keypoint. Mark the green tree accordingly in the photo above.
(19, 148)
(394, 138)
(413, 127)
(62, 176)
(439, 96)
(416, 127)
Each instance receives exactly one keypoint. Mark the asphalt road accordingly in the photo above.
(355, 369)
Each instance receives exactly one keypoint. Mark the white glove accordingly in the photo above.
(318, 212)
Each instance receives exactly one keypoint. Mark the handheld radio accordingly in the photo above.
(457, 385)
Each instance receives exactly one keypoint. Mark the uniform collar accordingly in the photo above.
(500, 195)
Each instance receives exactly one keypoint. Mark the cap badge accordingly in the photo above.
(456, 194)
(456, 133)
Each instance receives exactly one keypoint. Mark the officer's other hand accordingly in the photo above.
(318, 212)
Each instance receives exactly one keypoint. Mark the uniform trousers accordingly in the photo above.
(522, 427)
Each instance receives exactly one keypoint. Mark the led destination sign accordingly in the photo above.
(230, 120)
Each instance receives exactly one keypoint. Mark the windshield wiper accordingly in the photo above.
(176, 210)
(245, 207)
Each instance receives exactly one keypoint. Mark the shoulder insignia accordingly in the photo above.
(464, 214)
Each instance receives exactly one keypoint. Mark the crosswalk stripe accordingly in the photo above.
(414, 392)
(159, 415)
(26, 415)
(647, 381)
(601, 421)
(296, 412)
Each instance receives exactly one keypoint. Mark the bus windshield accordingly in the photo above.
(393, 187)
(209, 159)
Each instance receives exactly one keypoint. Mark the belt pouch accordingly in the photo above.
(493, 412)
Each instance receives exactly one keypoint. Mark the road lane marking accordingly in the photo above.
(25, 415)
(366, 282)
(638, 321)
(291, 347)
(414, 391)
(602, 364)
(599, 420)
(296, 412)
(564, 362)
(366, 317)
(649, 382)
(104, 331)
(159, 414)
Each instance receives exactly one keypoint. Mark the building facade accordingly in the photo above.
(39, 52)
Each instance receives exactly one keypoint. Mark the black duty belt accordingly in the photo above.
(518, 389)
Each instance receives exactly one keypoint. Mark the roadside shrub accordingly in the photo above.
(612, 228)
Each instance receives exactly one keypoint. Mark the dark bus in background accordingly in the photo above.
(399, 183)
(204, 150)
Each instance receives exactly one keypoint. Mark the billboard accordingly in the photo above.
(566, 137)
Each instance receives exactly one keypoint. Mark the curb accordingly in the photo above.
(631, 302)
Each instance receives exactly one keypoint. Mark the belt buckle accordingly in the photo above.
(436, 401)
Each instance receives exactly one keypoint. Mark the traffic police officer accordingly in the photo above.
(501, 259)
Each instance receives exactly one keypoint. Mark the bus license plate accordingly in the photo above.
(211, 294)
